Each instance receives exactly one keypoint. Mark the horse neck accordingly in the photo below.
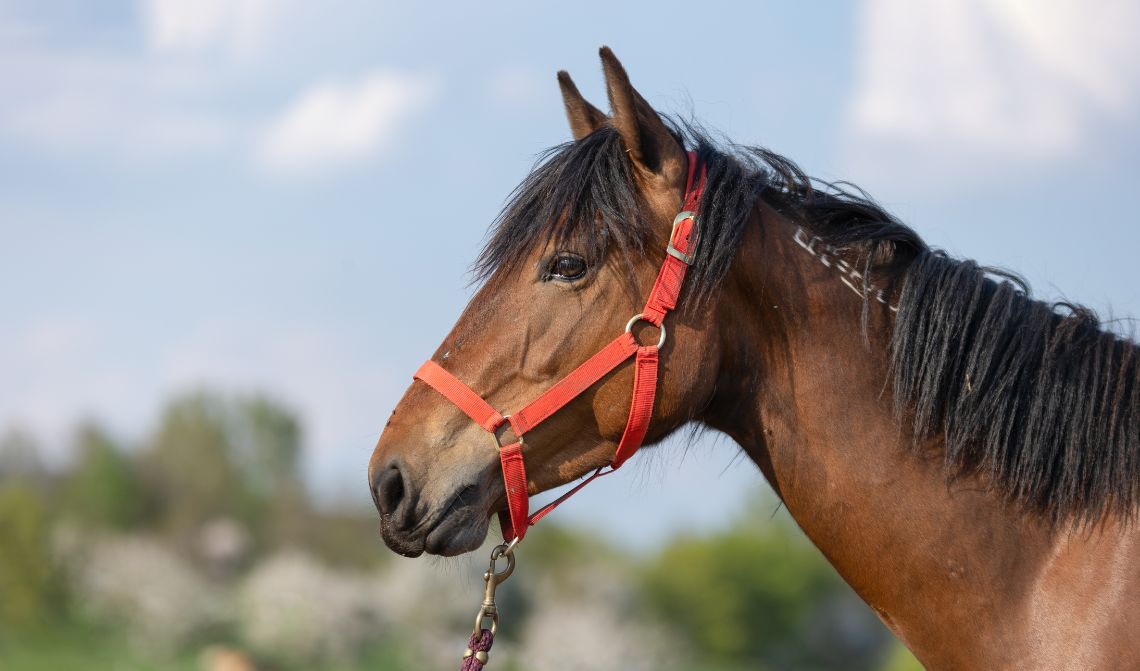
(939, 563)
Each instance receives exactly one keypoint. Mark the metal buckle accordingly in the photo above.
(694, 238)
(495, 434)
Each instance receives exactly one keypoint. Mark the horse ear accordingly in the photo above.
(584, 118)
(649, 141)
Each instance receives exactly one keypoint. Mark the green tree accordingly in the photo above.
(102, 487)
(219, 456)
(267, 441)
(738, 592)
(760, 595)
(27, 577)
(189, 465)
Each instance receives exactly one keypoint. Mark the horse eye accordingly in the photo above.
(566, 267)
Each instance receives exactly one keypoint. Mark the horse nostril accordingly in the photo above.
(389, 490)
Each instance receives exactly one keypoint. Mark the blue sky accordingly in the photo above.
(285, 196)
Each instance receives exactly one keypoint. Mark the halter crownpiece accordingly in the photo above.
(663, 298)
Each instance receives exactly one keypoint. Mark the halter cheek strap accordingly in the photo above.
(662, 299)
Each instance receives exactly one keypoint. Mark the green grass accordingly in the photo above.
(77, 647)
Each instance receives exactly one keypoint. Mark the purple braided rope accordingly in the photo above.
(479, 642)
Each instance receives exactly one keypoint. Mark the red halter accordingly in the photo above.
(662, 299)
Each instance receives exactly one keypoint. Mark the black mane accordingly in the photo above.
(1035, 398)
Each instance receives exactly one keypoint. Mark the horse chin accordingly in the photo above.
(460, 532)
(399, 543)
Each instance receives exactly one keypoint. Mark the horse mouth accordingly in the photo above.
(460, 527)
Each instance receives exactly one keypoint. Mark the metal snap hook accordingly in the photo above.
(492, 579)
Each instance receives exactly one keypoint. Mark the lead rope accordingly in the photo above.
(477, 648)
(475, 656)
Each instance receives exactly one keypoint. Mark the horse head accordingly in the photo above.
(571, 259)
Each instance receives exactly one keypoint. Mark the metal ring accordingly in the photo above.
(499, 552)
(640, 317)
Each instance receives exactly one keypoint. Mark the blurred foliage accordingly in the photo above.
(736, 593)
(151, 554)
(27, 578)
(563, 547)
(760, 596)
(900, 659)
(102, 488)
(344, 538)
(74, 646)
(193, 461)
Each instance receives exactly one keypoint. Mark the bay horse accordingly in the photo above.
(966, 457)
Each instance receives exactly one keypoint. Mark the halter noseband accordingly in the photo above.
(662, 298)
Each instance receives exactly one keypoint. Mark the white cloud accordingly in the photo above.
(335, 124)
(192, 91)
(1016, 81)
(79, 101)
(238, 26)
(173, 98)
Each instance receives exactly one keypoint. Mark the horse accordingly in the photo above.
(965, 456)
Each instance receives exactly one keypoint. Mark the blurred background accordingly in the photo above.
(230, 229)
